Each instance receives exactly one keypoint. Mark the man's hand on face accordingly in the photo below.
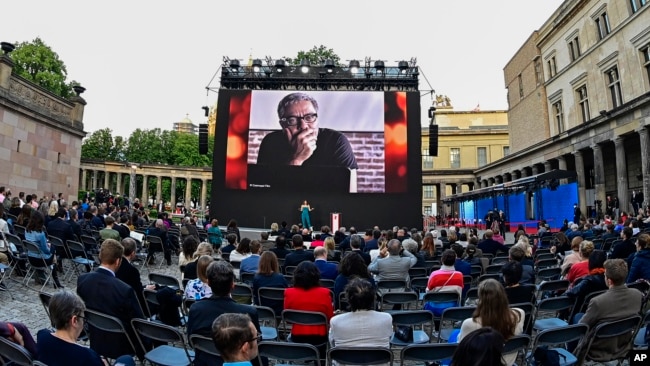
(303, 144)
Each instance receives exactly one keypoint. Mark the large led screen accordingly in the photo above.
(356, 142)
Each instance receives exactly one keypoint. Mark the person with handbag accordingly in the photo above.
(446, 279)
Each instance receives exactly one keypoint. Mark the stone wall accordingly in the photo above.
(368, 149)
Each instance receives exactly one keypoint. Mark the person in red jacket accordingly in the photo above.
(307, 294)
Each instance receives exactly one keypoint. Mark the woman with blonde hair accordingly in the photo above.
(381, 243)
(493, 310)
(581, 268)
(574, 257)
(332, 253)
(198, 288)
(191, 267)
(274, 229)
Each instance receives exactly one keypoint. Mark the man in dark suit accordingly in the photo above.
(299, 253)
(103, 292)
(60, 228)
(221, 280)
(129, 274)
(328, 271)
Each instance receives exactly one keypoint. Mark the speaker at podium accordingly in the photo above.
(335, 221)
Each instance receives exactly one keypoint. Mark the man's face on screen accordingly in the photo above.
(300, 118)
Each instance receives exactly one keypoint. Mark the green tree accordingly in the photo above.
(101, 145)
(146, 146)
(185, 151)
(316, 56)
(37, 62)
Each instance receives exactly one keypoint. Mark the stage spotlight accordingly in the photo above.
(304, 66)
(329, 65)
(379, 66)
(279, 65)
(257, 65)
(234, 65)
(354, 66)
(403, 67)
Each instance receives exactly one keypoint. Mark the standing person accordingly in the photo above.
(493, 311)
(236, 339)
(576, 213)
(60, 348)
(305, 209)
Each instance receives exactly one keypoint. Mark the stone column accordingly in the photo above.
(580, 172)
(535, 169)
(107, 180)
(547, 166)
(118, 184)
(204, 193)
(95, 173)
(621, 173)
(561, 164)
(599, 177)
(188, 192)
(442, 194)
(82, 186)
(644, 136)
(145, 191)
(158, 188)
(173, 191)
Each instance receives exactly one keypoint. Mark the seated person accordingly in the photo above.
(515, 291)
(60, 348)
(19, 334)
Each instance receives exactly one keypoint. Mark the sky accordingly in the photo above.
(146, 64)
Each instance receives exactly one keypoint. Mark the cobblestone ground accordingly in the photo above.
(26, 307)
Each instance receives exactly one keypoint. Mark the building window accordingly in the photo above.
(637, 4)
(427, 160)
(614, 85)
(538, 72)
(602, 25)
(427, 211)
(454, 157)
(552, 67)
(521, 87)
(558, 114)
(574, 48)
(481, 156)
(583, 102)
(506, 150)
(646, 63)
(427, 191)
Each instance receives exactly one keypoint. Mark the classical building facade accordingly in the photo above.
(467, 140)
(579, 94)
(40, 137)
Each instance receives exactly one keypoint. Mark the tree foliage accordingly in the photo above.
(37, 62)
(101, 145)
(316, 56)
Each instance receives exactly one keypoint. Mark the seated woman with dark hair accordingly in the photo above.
(307, 294)
(60, 348)
(269, 275)
(482, 347)
(516, 292)
(362, 326)
(352, 266)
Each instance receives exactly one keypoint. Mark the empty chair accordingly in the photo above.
(560, 336)
(301, 317)
(360, 356)
(37, 263)
(165, 280)
(203, 344)
(517, 344)
(548, 274)
(639, 339)
(242, 294)
(108, 324)
(288, 352)
(268, 322)
(163, 354)
(402, 298)
(453, 315)
(552, 305)
(413, 318)
(428, 353)
(554, 287)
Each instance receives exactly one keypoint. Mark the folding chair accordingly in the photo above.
(360, 356)
(329, 284)
(108, 324)
(301, 317)
(20, 231)
(494, 276)
(164, 355)
(518, 343)
(14, 353)
(493, 269)
(62, 252)
(441, 300)
(419, 285)
(165, 280)
(613, 329)
(45, 301)
(500, 261)
(247, 278)
(552, 305)
(79, 256)
(37, 263)
(203, 344)
(90, 243)
(242, 294)
(639, 338)
(268, 322)
(418, 272)
(557, 336)
(546, 263)
(272, 297)
(528, 309)
(552, 286)
(288, 270)
(428, 353)
(413, 318)
(155, 245)
(287, 352)
(548, 274)
(402, 298)
(453, 315)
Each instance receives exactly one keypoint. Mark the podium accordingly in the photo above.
(335, 221)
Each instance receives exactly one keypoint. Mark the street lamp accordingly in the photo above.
(132, 192)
